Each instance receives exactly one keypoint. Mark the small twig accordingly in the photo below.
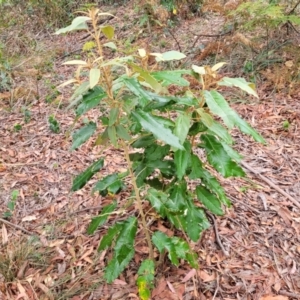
(273, 185)
(15, 226)
(178, 45)
(208, 35)
(294, 8)
(21, 164)
(217, 233)
(289, 294)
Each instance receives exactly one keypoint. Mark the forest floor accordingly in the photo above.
(45, 252)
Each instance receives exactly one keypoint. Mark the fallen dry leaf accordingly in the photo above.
(271, 297)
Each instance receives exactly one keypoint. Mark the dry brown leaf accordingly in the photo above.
(189, 275)
(271, 297)
(206, 277)
(170, 285)
(4, 234)
(29, 218)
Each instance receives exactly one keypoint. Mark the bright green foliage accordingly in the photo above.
(53, 124)
(176, 248)
(83, 134)
(101, 219)
(145, 279)
(159, 134)
(81, 180)
(123, 250)
(264, 13)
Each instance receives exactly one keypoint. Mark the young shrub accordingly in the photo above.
(159, 134)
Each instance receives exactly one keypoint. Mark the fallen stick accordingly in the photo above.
(15, 226)
(273, 185)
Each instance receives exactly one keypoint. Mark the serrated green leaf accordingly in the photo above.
(147, 77)
(135, 87)
(158, 200)
(231, 152)
(160, 239)
(144, 291)
(171, 77)
(156, 128)
(90, 100)
(209, 200)
(112, 134)
(145, 281)
(207, 179)
(81, 180)
(111, 183)
(219, 106)
(101, 219)
(182, 159)
(113, 116)
(123, 250)
(143, 141)
(219, 158)
(83, 134)
(77, 24)
(182, 126)
(108, 31)
(123, 133)
(166, 167)
(246, 128)
(111, 235)
(221, 132)
(176, 247)
(156, 152)
(240, 83)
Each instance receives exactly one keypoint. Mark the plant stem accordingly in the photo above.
(138, 200)
(106, 71)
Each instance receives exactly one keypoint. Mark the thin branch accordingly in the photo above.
(139, 201)
(217, 233)
(178, 45)
(294, 8)
(15, 226)
(273, 185)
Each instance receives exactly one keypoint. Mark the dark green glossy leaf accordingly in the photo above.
(209, 200)
(101, 219)
(196, 128)
(142, 171)
(123, 250)
(166, 167)
(90, 100)
(171, 77)
(219, 106)
(182, 159)
(207, 179)
(135, 87)
(219, 158)
(112, 134)
(156, 152)
(113, 116)
(182, 126)
(145, 281)
(149, 123)
(111, 183)
(110, 236)
(83, 134)
(123, 133)
(81, 180)
(144, 141)
(176, 247)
